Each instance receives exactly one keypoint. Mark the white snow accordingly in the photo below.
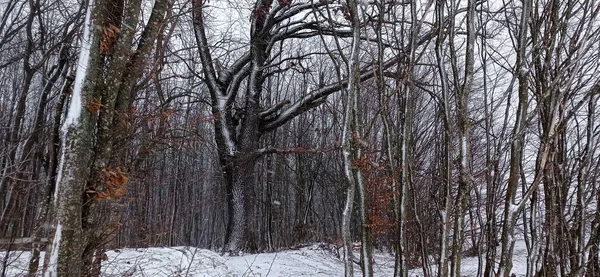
(319, 260)
(52, 264)
(59, 173)
(81, 73)
(512, 209)
(222, 105)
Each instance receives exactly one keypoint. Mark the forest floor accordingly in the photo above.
(314, 260)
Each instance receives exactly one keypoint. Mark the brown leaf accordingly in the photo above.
(94, 105)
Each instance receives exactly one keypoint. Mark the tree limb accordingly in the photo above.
(316, 98)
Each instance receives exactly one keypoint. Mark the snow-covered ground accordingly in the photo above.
(313, 260)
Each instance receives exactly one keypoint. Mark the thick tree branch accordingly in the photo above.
(266, 113)
(316, 98)
(229, 74)
(205, 57)
(235, 83)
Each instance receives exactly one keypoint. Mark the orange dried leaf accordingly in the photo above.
(114, 181)
(113, 28)
(94, 105)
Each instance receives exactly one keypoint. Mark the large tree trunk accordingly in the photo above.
(98, 121)
(78, 133)
(239, 237)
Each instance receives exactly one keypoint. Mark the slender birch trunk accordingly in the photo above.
(444, 212)
(352, 152)
(464, 128)
(516, 149)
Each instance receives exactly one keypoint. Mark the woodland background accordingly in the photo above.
(430, 129)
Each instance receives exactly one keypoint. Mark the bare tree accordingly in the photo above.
(238, 131)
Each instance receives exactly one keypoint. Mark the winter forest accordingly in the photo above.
(433, 130)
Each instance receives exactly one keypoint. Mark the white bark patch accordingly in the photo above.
(444, 224)
(463, 150)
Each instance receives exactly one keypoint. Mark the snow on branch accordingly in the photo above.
(228, 74)
(319, 96)
(294, 10)
(294, 150)
(315, 98)
(266, 113)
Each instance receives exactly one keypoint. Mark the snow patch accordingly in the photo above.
(512, 209)
(81, 73)
(176, 261)
(53, 263)
(318, 260)
(222, 106)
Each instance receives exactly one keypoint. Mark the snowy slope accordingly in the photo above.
(190, 261)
